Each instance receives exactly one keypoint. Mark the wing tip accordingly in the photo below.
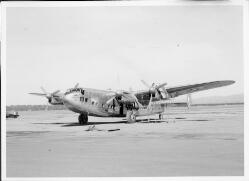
(228, 82)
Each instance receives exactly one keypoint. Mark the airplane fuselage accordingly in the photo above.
(93, 102)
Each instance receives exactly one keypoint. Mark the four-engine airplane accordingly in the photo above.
(101, 103)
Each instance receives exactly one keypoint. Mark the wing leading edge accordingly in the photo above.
(187, 89)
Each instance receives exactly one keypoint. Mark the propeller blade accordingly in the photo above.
(161, 85)
(55, 92)
(165, 93)
(125, 92)
(149, 105)
(109, 101)
(146, 84)
(38, 94)
(76, 85)
(43, 90)
(57, 96)
(128, 97)
(158, 95)
(117, 93)
(111, 94)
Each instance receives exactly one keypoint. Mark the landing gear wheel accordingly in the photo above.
(83, 119)
(131, 116)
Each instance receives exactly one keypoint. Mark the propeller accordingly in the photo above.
(155, 88)
(76, 86)
(149, 105)
(118, 95)
(50, 95)
(46, 94)
(122, 96)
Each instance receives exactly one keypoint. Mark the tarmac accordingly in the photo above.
(201, 141)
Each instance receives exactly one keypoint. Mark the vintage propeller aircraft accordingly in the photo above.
(102, 103)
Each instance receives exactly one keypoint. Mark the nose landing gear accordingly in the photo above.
(83, 119)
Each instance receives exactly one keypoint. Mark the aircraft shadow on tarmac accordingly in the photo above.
(92, 123)
(104, 122)
(116, 122)
(144, 121)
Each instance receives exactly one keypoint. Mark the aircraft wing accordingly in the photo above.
(187, 89)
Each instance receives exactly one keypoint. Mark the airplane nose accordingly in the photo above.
(70, 102)
(68, 99)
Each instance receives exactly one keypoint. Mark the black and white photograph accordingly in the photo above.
(122, 89)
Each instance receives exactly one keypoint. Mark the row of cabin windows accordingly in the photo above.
(82, 99)
(111, 106)
(94, 103)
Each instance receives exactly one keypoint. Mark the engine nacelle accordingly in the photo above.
(54, 101)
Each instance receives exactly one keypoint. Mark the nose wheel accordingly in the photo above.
(83, 119)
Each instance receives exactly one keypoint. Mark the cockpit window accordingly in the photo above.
(82, 91)
(82, 99)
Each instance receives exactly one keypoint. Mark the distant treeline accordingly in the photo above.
(62, 107)
(34, 107)
(219, 104)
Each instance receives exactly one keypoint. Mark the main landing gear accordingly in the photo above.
(131, 116)
(83, 119)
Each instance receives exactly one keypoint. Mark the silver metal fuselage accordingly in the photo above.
(94, 103)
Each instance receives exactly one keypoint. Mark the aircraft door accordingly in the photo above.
(121, 111)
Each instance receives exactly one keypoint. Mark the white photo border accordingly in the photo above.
(244, 3)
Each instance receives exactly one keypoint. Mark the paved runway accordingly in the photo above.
(202, 141)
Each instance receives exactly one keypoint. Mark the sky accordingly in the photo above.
(115, 47)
